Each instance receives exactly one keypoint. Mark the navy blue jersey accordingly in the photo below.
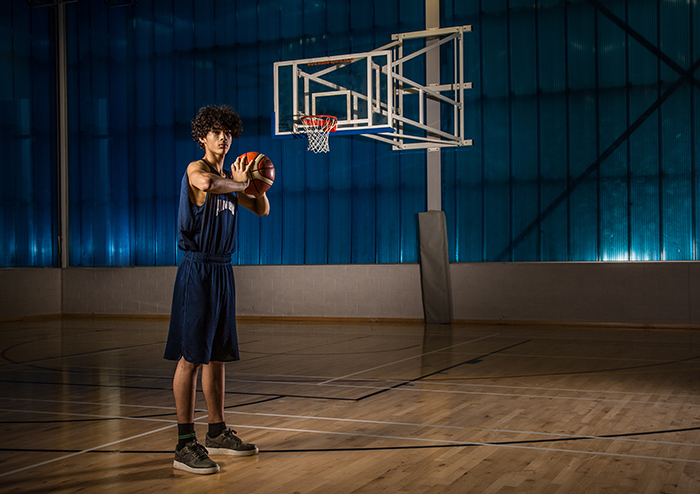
(203, 315)
(211, 227)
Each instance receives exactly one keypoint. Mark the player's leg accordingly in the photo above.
(185, 389)
(190, 456)
(213, 385)
(220, 440)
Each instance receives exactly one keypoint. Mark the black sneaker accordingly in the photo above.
(193, 458)
(228, 444)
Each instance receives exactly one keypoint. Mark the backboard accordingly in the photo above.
(353, 88)
(379, 94)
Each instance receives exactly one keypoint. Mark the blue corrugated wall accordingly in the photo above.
(28, 219)
(583, 115)
(585, 132)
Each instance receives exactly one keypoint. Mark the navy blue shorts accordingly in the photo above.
(203, 316)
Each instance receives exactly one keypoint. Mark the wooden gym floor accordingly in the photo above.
(86, 406)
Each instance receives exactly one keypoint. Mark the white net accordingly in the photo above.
(317, 128)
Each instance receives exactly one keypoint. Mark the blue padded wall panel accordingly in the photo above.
(675, 141)
(552, 139)
(28, 208)
(612, 122)
(463, 190)
(496, 132)
(340, 206)
(388, 173)
(582, 125)
(643, 145)
(615, 174)
(524, 149)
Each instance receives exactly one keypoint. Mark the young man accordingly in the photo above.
(203, 317)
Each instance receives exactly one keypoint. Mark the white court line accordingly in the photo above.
(360, 421)
(375, 436)
(468, 444)
(65, 457)
(336, 419)
(476, 429)
(234, 378)
(541, 388)
(409, 358)
(458, 392)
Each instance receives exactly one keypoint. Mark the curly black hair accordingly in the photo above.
(216, 117)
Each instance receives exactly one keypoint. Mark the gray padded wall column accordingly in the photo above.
(435, 268)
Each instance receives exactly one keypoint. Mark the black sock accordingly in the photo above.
(185, 433)
(216, 429)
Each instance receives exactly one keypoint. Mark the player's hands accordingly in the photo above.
(240, 169)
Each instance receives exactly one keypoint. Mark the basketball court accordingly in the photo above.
(346, 401)
(86, 405)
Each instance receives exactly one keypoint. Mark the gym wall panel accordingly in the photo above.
(28, 207)
(643, 145)
(552, 137)
(606, 167)
(524, 126)
(496, 135)
(585, 142)
(612, 122)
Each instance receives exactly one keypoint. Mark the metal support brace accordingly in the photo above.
(62, 96)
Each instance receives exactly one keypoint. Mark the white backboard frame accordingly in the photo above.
(382, 105)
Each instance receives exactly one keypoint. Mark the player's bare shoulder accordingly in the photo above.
(197, 166)
(194, 173)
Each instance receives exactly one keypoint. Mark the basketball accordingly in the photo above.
(262, 173)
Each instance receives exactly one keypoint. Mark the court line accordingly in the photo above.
(472, 444)
(559, 436)
(409, 358)
(514, 395)
(378, 389)
(65, 457)
(541, 388)
(422, 390)
(374, 436)
(234, 378)
(445, 369)
(433, 381)
(92, 415)
(69, 402)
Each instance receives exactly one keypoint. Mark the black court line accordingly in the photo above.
(470, 361)
(383, 448)
(102, 419)
(275, 396)
(266, 400)
(169, 389)
(300, 354)
(66, 421)
(31, 363)
(278, 395)
(286, 395)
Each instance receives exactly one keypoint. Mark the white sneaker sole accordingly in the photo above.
(231, 452)
(201, 471)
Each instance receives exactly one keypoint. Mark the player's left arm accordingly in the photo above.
(257, 204)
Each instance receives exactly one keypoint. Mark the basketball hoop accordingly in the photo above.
(317, 128)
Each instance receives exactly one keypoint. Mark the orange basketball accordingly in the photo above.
(262, 173)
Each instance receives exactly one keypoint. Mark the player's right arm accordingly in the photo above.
(202, 181)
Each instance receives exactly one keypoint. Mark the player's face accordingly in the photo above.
(218, 141)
